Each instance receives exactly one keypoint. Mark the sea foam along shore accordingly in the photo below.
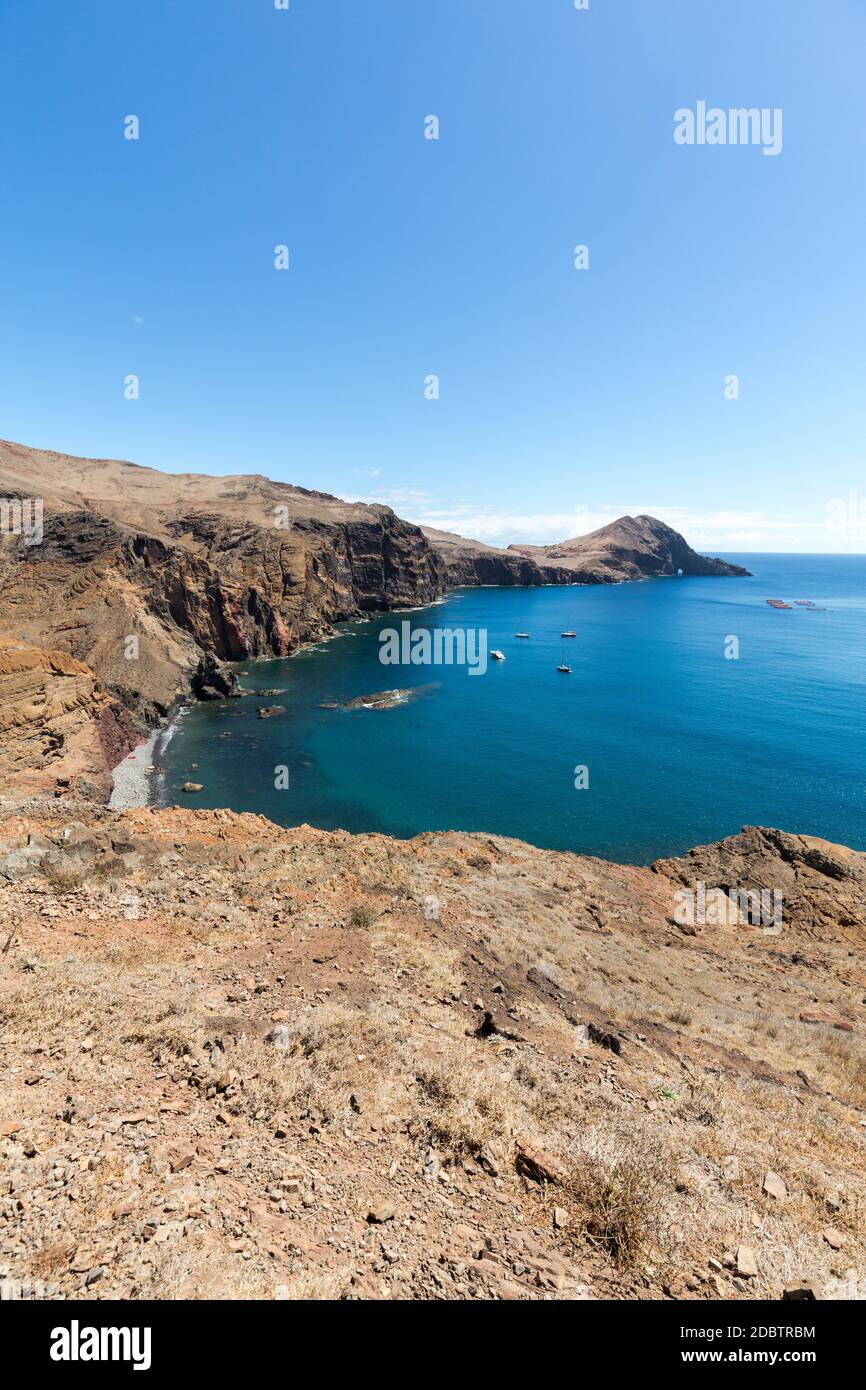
(136, 781)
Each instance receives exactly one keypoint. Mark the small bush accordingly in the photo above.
(616, 1191)
(61, 880)
(680, 1017)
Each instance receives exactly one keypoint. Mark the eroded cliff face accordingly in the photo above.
(138, 610)
(138, 574)
(58, 726)
(243, 590)
(467, 568)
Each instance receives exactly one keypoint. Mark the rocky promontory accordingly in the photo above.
(148, 583)
(631, 548)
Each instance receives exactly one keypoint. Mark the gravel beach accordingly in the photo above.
(131, 779)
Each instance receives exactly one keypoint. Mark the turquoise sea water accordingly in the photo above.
(681, 744)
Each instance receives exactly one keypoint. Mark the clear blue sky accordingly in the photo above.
(566, 396)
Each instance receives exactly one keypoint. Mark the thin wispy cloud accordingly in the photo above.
(703, 529)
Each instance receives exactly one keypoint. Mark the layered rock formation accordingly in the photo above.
(58, 727)
(140, 573)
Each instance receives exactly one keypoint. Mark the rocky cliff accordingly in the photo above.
(470, 563)
(138, 574)
(631, 548)
(58, 727)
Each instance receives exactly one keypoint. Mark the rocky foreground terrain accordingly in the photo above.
(253, 1062)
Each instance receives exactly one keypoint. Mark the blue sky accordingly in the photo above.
(566, 397)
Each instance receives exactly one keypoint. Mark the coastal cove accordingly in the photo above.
(681, 744)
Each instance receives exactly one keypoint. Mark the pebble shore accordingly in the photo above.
(131, 780)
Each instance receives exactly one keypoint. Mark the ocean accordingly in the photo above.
(692, 709)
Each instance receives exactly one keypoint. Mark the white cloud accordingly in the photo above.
(704, 530)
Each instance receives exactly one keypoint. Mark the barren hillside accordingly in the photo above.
(253, 1062)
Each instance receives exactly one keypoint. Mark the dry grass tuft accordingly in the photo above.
(464, 1108)
(436, 966)
(844, 1059)
(61, 880)
(681, 1018)
(616, 1192)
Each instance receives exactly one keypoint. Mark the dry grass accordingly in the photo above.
(616, 1190)
(178, 1272)
(436, 966)
(51, 1006)
(61, 880)
(333, 1054)
(52, 1260)
(465, 1108)
(681, 1018)
(843, 1061)
(100, 995)
(173, 1029)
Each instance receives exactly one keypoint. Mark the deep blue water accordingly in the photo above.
(682, 746)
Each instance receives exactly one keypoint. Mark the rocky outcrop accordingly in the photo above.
(58, 726)
(821, 886)
(630, 548)
(212, 682)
